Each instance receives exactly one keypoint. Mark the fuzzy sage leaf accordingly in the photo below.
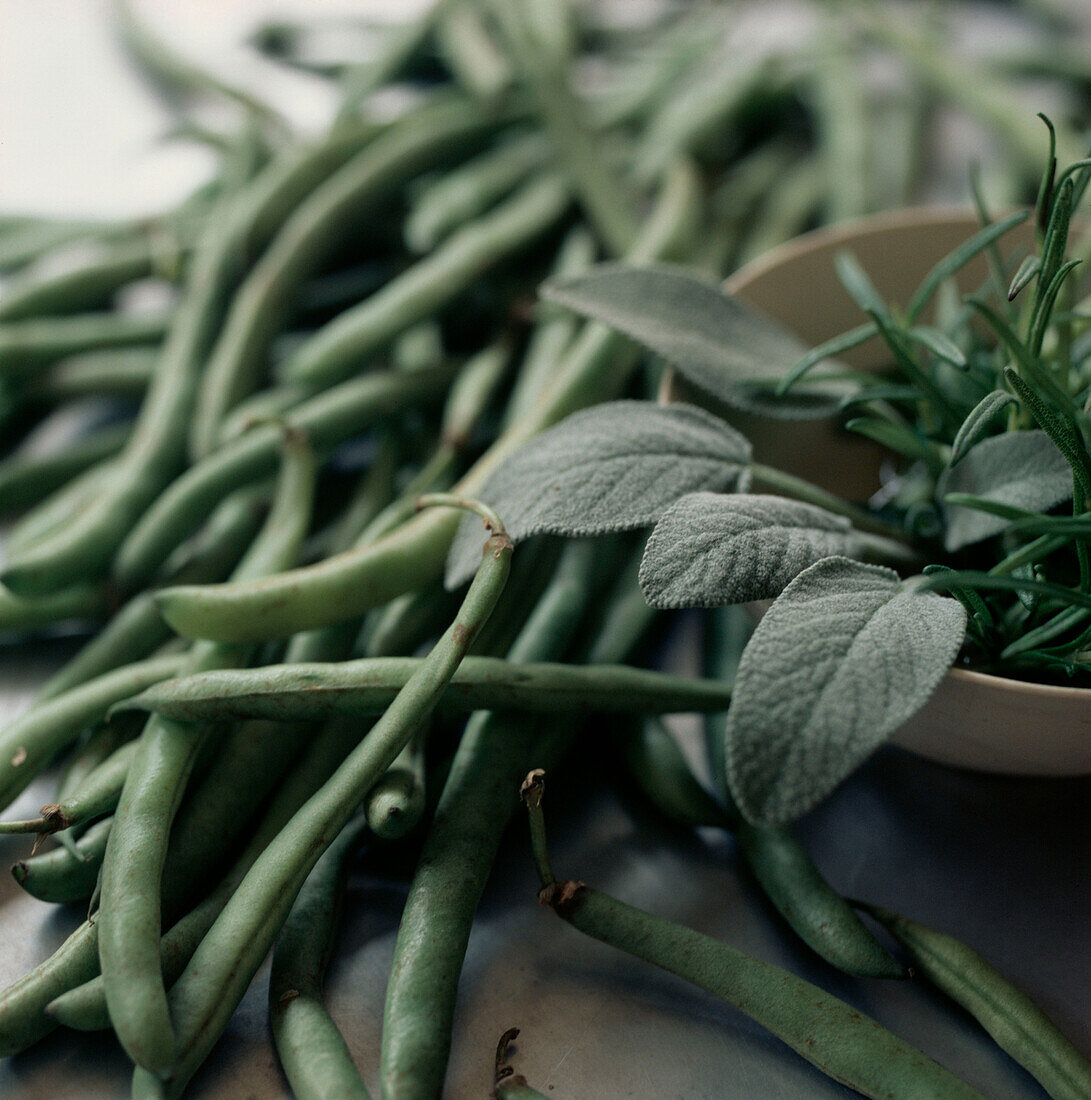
(846, 655)
(614, 467)
(712, 340)
(709, 549)
(1022, 469)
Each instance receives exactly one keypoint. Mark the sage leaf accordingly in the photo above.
(709, 550)
(978, 423)
(1022, 469)
(714, 341)
(846, 655)
(614, 467)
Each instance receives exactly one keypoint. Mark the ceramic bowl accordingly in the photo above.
(974, 720)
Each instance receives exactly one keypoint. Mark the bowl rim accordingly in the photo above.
(906, 217)
(821, 237)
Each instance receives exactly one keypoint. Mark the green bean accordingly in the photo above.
(87, 283)
(373, 493)
(463, 838)
(1017, 1024)
(841, 106)
(271, 403)
(468, 50)
(248, 767)
(655, 762)
(311, 1050)
(400, 45)
(827, 1032)
(109, 372)
(401, 626)
(338, 349)
(131, 911)
(84, 1007)
(702, 108)
(395, 805)
(368, 685)
(61, 878)
(99, 745)
(80, 601)
(236, 229)
(976, 88)
(27, 346)
(217, 975)
(138, 629)
(553, 334)
(595, 369)
(57, 510)
(327, 419)
(31, 741)
(649, 78)
(472, 391)
(781, 865)
(39, 236)
(26, 478)
(606, 199)
(22, 1017)
(467, 191)
(94, 797)
(308, 236)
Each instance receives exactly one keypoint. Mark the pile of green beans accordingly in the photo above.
(250, 520)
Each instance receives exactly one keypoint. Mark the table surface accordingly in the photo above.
(1001, 863)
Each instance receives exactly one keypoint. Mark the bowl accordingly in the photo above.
(974, 720)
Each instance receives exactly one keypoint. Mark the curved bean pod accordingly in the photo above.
(83, 1007)
(138, 629)
(312, 1051)
(830, 1034)
(89, 284)
(27, 346)
(25, 479)
(130, 917)
(307, 238)
(326, 419)
(467, 191)
(31, 741)
(1017, 1024)
(60, 877)
(460, 848)
(352, 337)
(110, 372)
(22, 1005)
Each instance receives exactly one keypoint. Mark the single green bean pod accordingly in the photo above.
(130, 918)
(827, 1032)
(311, 1050)
(1017, 1024)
